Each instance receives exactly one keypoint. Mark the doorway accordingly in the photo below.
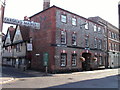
(86, 63)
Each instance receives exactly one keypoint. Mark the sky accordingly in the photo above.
(106, 9)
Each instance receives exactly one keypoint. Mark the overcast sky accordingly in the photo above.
(106, 9)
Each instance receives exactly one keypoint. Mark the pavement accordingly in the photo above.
(6, 79)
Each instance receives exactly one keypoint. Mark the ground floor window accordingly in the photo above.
(63, 59)
(8, 59)
(74, 59)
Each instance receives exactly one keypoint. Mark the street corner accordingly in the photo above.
(4, 80)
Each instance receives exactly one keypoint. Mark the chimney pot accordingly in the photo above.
(26, 18)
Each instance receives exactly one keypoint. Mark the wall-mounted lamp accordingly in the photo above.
(37, 54)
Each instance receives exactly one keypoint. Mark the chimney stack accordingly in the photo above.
(26, 18)
(46, 4)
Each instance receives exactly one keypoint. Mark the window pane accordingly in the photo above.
(86, 41)
(63, 59)
(74, 59)
(63, 37)
(95, 28)
(95, 43)
(101, 60)
(74, 21)
(74, 37)
(99, 29)
(63, 18)
(86, 25)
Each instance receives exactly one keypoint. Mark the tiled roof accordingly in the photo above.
(25, 31)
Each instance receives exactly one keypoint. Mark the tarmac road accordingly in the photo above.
(107, 78)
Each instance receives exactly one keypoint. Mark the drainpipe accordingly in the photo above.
(107, 61)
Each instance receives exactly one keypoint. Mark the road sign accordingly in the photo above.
(45, 59)
(22, 22)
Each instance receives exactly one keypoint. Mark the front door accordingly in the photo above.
(86, 63)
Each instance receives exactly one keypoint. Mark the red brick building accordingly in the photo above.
(66, 40)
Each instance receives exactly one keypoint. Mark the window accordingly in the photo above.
(99, 29)
(86, 41)
(105, 44)
(74, 37)
(111, 46)
(63, 37)
(74, 59)
(115, 36)
(9, 48)
(8, 59)
(101, 60)
(114, 47)
(110, 34)
(31, 40)
(95, 42)
(18, 47)
(74, 21)
(63, 18)
(63, 59)
(100, 44)
(95, 28)
(86, 25)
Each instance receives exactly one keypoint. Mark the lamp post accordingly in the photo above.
(2, 7)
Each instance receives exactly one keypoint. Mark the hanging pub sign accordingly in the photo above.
(29, 47)
(82, 59)
(95, 58)
(22, 22)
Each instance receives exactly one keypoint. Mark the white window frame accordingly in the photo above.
(100, 60)
(95, 28)
(18, 48)
(63, 36)
(99, 29)
(74, 60)
(86, 25)
(63, 59)
(95, 42)
(74, 21)
(100, 43)
(63, 18)
(74, 39)
(87, 41)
